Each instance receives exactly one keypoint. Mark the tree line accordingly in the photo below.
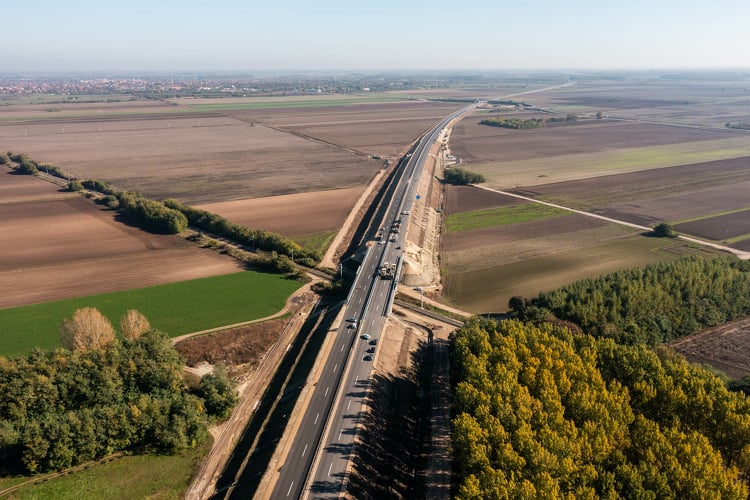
(100, 395)
(28, 166)
(172, 217)
(519, 124)
(655, 304)
(540, 412)
(460, 177)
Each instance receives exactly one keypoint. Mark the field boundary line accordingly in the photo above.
(739, 253)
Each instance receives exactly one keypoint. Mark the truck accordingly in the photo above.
(387, 271)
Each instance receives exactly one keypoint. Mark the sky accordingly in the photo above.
(372, 35)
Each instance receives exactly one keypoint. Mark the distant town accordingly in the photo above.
(75, 87)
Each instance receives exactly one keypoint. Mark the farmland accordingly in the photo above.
(706, 101)
(204, 151)
(725, 347)
(58, 245)
(175, 308)
(695, 177)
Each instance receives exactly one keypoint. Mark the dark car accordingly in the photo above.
(367, 358)
(374, 342)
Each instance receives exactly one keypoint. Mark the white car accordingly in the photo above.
(365, 336)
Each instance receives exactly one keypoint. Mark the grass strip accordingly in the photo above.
(499, 216)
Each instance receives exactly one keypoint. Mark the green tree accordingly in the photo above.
(664, 230)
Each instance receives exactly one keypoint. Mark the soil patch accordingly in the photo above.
(244, 346)
(725, 347)
(468, 198)
(720, 227)
(293, 214)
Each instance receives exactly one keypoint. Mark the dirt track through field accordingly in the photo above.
(739, 253)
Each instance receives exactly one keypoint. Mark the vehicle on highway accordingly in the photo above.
(367, 358)
(353, 325)
(373, 341)
(406, 212)
(352, 320)
(371, 350)
(365, 336)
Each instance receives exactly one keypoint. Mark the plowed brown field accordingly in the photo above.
(477, 143)
(725, 347)
(292, 214)
(57, 245)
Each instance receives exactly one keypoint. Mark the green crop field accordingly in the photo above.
(176, 308)
(139, 476)
(499, 216)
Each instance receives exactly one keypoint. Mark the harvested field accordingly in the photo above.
(701, 102)
(487, 289)
(467, 199)
(204, 151)
(725, 347)
(721, 227)
(58, 245)
(292, 214)
(381, 129)
(193, 159)
(475, 143)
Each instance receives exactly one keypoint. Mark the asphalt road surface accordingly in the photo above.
(319, 455)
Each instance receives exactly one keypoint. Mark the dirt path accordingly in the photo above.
(739, 253)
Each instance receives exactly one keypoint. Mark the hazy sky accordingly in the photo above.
(248, 35)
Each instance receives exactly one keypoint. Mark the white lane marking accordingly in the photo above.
(290, 489)
(329, 469)
(303, 451)
(347, 406)
(334, 368)
(340, 433)
(326, 394)
(316, 418)
(342, 347)
(288, 347)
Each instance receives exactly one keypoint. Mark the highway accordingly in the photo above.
(319, 455)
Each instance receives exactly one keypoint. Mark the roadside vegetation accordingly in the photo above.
(499, 216)
(177, 308)
(99, 395)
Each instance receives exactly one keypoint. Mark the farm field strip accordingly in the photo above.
(311, 103)
(711, 215)
(489, 289)
(528, 173)
(485, 249)
(175, 308)
(500, 216)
